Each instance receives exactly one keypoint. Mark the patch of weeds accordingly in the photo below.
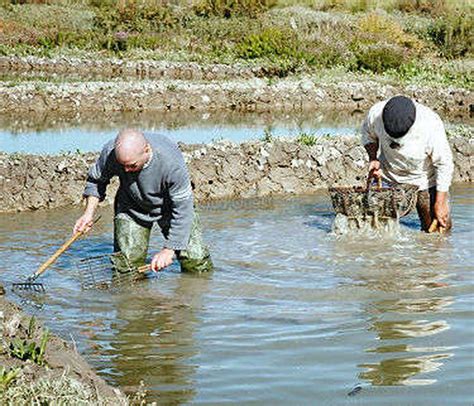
(31, 327)
(232, 8)
(61, 390)
(379, 58)
(268, 137)
(271, 42)
(433, 74)
(385, 28)
(7, 376)
(453, 34)
(307, 139)
(29, 350)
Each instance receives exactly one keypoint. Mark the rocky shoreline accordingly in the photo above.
(68, 85)
(220, 170)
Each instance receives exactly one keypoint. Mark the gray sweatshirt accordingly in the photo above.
(159, 192)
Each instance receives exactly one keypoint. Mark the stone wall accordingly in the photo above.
(114, 85)
(242, 95)
(220, 170)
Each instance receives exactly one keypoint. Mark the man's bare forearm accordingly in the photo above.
(91, 205)
(372, 149)
(441, 197)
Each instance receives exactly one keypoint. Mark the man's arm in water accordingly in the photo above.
(442, 159)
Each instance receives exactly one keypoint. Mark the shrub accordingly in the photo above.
(453, 34)
(232, 8)
(380, 57)
(270, 43)
(384, 28)
(133, 16)
(432, 7)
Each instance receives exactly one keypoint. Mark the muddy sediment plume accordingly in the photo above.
(221, 170)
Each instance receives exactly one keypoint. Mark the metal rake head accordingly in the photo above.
(28, 286)
(107, 271)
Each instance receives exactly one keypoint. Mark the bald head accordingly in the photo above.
(132, 149)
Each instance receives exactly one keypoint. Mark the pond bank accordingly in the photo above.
(60, 375)
(65, 85)
(220, 170)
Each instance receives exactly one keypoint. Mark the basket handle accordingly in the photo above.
(370, 186)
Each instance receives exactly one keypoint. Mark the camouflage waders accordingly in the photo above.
(132, 239)
(425, 208)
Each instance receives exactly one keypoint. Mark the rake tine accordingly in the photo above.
(28, 286)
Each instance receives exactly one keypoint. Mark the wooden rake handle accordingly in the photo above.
(144, 268)
(60, 250)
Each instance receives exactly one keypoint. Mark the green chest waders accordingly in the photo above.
(132, 240)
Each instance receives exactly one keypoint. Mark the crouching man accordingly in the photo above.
(154, 188)
(413, 150)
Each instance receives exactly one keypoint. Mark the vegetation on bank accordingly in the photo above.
(27, 376)
(403, 39)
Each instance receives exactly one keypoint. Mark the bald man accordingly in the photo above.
(154, 188)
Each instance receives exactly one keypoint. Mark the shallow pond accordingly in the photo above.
(292, 315)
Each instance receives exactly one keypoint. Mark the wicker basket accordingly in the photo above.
(393, 201)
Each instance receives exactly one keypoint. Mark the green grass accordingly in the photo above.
(307, 139)
(30, 350)
(7, 376)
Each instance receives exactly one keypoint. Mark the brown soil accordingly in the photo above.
(61, 359)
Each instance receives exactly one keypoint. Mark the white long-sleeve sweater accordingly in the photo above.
(424, 157)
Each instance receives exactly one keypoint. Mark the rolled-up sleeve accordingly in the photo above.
(368, 135)
(441, 156)
(99, 174)
(182, 209)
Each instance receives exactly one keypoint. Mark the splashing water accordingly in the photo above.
(366, 225)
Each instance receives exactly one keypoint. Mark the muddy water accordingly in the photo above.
(293, 314)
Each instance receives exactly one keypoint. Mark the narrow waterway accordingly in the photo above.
(292, 315)
(54, 134)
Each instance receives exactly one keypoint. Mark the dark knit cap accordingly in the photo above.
(398, 116)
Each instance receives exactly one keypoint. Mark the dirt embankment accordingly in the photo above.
(219, 170)
(113, 85)
(57, 375)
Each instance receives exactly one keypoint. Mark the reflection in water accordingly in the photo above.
(154, 340)
(392, 330)
(399, 371)
(55, 135)
(91, 121)
(391, 271)
(419, 305)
